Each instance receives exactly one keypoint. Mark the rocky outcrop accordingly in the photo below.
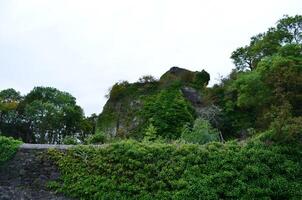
(27, 174)
(120, 116)
(192, 95)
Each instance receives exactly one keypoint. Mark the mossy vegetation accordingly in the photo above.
(8, 148)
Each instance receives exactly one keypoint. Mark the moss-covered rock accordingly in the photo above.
(122, 114)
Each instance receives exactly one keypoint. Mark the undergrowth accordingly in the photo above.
(256, 169)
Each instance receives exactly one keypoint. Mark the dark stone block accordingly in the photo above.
(26, 176)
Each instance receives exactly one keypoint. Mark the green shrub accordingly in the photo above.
(150, 133)
(70, 140)
(168, 111)
(153, 170)
(201, 133)
(8, 148)
(97, 138)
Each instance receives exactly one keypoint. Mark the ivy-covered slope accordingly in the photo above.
(261, 168)
(123, 115)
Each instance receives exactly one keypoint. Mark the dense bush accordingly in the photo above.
(8, 147)
(258, 169)
(201, 133)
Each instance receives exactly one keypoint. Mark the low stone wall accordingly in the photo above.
(27, 174)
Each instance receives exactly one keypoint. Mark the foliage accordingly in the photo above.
(168, 111)
(259, 169)
(10, 95)
(147, 79)
(97, 138)
(291, 28)
(150, 133)
(45, 115)
(52, 114)
(9, 119)
(201, 133)
(287, 31)
(8, 148)
(268, 75)
(118, 90)
(69, 140)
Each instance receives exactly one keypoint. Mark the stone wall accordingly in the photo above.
(27, 174)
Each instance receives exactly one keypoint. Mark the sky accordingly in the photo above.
(84, 46)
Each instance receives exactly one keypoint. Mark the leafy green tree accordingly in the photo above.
(242, 58)
(10, 95)
(287, 31)
(51, 115)
(291, 28)
(268, 75)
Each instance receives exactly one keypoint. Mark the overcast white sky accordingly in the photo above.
(84, 47)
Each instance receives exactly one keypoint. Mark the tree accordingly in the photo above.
(277, 80)
(51, 115)
(291, 28)
(242, 58)
(10, 95)
(287, 31)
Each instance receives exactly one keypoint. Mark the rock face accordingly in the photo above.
(192, 95)
(120, 116)
(27, 174)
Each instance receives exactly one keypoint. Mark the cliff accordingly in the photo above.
(121, 115)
